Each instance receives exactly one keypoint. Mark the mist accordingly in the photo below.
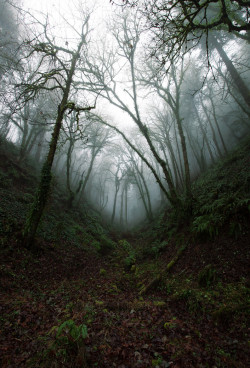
(137, 131)
(124, 183)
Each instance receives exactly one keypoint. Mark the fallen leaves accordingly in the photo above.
(123, 331)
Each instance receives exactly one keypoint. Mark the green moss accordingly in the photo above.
(159, 303)
(102, 272)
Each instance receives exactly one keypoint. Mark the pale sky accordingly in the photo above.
(59, 9)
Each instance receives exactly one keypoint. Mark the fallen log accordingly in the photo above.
(156, 281)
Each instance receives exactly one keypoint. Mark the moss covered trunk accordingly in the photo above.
(42, 193)
(39, 203)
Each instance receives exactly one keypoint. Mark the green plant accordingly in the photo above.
(128, 251)
(155, 248)
(96, 244)
(235, 229)
(157, 361)
(125, 245)
(129, 261)
(106, 245)
(69, 338)
(207, 225)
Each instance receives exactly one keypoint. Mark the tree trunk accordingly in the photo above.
(68, 164)
(213, 131)
(114, 205)
(238, 81)
(185, 160)
(204, 135)
(217, 124)
(34, 217)
(42, 193)
(121, 209)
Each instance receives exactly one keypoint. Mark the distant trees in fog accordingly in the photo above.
(184, 110)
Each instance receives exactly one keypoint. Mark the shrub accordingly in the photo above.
(155, 248)
(106, 245)
(96, 244)
(130, 257)
(129, 261)
(68, 340)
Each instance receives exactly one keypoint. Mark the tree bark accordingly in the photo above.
(42, 193)
(238, 81)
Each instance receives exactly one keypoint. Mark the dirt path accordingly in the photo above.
(124, 330)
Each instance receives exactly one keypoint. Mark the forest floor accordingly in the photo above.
(167, 328)
(183, 322)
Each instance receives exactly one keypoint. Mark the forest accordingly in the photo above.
(124, 183)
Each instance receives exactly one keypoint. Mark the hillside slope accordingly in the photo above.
(195, 315)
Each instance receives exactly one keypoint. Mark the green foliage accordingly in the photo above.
(210, 217)
(14, 173)
(124, 244)
(130, 254)
(222, 196)
(89, 313)
(153, 250)
(5, 180)
(207, 225)
(69, 333)
(102, 272)
(219, 197)
(97, 246)
(68, 338)
(170, 324)
(104, 245)
(129, 261)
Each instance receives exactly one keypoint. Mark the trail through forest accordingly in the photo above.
(124, 184)
(124, 329)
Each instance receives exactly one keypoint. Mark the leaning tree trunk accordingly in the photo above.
(172, 197)
(36, 212)
(42, 193)
(238, 81)
(185, 160)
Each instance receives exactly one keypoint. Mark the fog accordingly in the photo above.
(151, 127)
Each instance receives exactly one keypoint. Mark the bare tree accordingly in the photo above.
(136, 174)
(8, 39)
(54, 71)
(104, 82)
(177, 26)
(170, 92)
(98, 137)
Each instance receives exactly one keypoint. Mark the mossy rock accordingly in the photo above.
(207, 277)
